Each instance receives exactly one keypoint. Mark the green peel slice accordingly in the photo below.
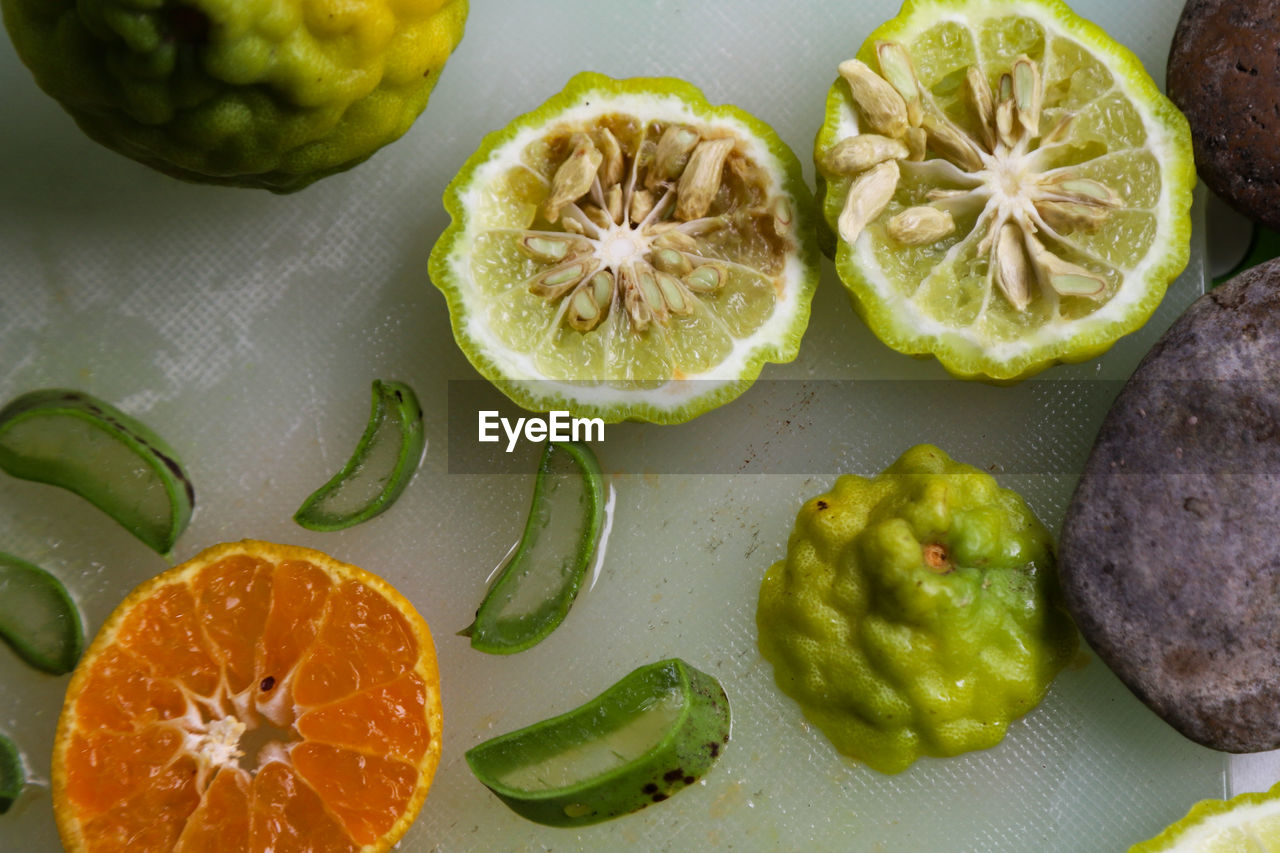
(650, 735)
(12, 777)
(38, 619)
(382, 465)
(74, 440)
(535, 589)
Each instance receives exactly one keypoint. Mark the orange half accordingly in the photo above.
(258, 697)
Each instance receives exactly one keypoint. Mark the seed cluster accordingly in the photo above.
(993, 160)
(629, 218)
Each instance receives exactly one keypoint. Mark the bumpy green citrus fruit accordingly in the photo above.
(1007, 186)
(628, 251)
(916, 613)
(263, 93)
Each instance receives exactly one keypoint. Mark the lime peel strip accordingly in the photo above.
(506, 622)
(379, 469)
(38, 618)
(12, 776)
(651, 734)
(83, 444)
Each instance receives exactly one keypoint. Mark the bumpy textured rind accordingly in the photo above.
(960, 357)
(691, 397)
(892, 659)
(269, 94)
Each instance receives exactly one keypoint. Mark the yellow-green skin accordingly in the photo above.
(893, 659)
(1261, 836)
(259, 93)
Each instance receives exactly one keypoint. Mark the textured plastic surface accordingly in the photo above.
(246, 328)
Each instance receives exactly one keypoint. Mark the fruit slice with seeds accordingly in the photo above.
(74, 440)
(38, 619)
(628, 251)
(382, 464)
(1007, 186)
(256, 697)
(650, 735)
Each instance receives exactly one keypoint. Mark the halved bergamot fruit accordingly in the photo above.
(1007, 186)
(628, 251)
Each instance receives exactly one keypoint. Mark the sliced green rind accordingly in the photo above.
(685, 399)
(684, 746)
(38, 619)
(1248, 823)
(60, 437)
(959, 355)
(496, 630)
(374, 476)
(12, 777)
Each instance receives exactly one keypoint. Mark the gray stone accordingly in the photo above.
(1170, 551)
(1223, 73)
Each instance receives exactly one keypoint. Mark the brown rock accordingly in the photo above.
(1170, 552)
(1224, 74)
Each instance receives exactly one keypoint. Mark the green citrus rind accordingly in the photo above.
(272, 94)
(674, 401)
(372, 479)
(12, 776)
(1247, 823)
(38, 618)
(76, 441)
(1007, 362)
(503, 626)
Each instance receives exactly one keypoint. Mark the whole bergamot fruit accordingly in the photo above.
(260, 93)
(916, 613)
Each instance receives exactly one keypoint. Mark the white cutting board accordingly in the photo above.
(246, 329)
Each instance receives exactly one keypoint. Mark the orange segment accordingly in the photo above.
(234, 597)
(299, 601)
(160, 630)
(178, 732)
(366, 792)
(126, 695)
(107, 768)
(151, 819)
(289, 815)
(222, 820)
(390, 719)
(344, 661)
